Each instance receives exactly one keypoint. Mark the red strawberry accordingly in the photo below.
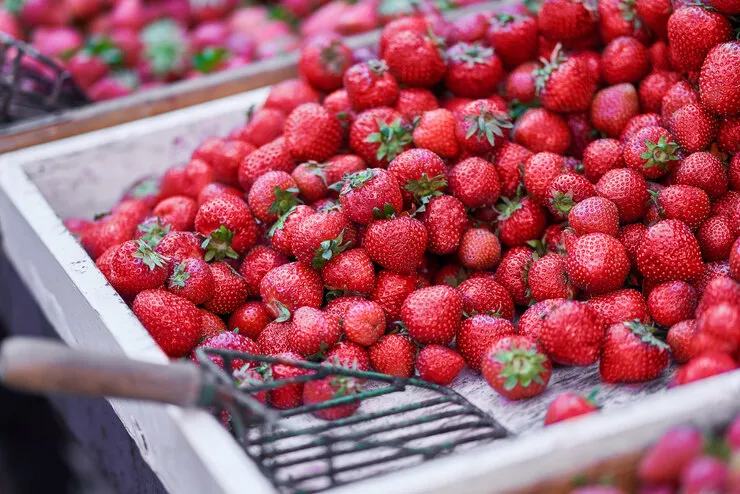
(330, 388)
(479, 249)
(721, 321)
(567, 190)
(619, 18)
(475, 182)
(704, 171)
(669, 252)
(620, 306)
(540, 130)
(729, 141)
(484, 295)
(338, 103)
(727, 7)
(436, 132)
(679, 95)
(566, 20)
(196, 175)
(350, 355)
(660, 57)
(191, 278)
(595, 215)
(450, 275)
(650, 151)
(397, 244)
(414, 102)
(442, 301)
(680, 339)
(474, 71)
(228, 341)
(735, 260)
(672, 302)
(318, 238)
(272, 195)
(572, 334)
(249, 320)
(564, 84)
(666, 459)
(281, 233)
(210, 324)
(539, 171)
(273, 339)
(694, 127)
(288, 395)
(172, 321)
(257, 263)
(655, 14)
(368, 193)
(224, 157)
(613, 107)
(177, 211)
(512, 273)
(598, 263)
(263, 126)
(639, 122)
(532, 320)
(391, 289)
(414, 58)
(350, 271)
(653, 88)
(514, 37)
(312, 133)
(582, 133)
(364, 322)
(627, 189)
(718, 82)
(106, 232)
(370, 85)
(520, 221)
(288, 95)
(508, 161)
(324, 60)
(566, 406)
(379, 135)
(228, 226)
(482, 126)
(216, 189)
(445, 220)
(393, 354)
(478, 333)
(624, 59)
(313, 331)
(274, 155)
(601, 156)
(715, 238)
(177, 246)
(692, 32)
(685, 203)
(439, 364)
(288, 287)
(135, 267)
(704, 366)
(632, 354)
(516, 367)
(547, 278)
(229, 289)
(520, 85)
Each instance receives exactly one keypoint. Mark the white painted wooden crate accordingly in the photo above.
(188, 449)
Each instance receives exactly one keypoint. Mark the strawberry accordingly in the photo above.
(694, 127)
(417, 23)
(249, 320)
(539, 171)
(152, 230)
(512, 273)
(436, 132)
(172, 321)
(680, 339)
(655, 15)
(555, 236)
(312, 133)
(704, 171)
(582, 134)
(350, 355)
(533, 319)
(613, 107)
(177, 211)
(288, 95)
(228, 226)
(191, 278)
(484, 296)
(479, 249)
(520, 85)
(692, 32)
(715, 238)
(263, 126)
(288, 395)
(718, 80)
(650, 151)
(228, 341)
(597, 263)
(196, 175)
(229, 289)
(601, 156)
(210, 324)
(103, 262)
(653, 88)
(321, 236)
(547, 279)
(439, 364)
(135, 267)
(273, 339)
(679, 95)
(444, 302)
(703, 366)
(668, 457)
(107, 232)
(508, 161)
(632, 354)
(338, 103)
(516, 367)
(660, 57)
(721, 321)
(224, 157)
(619, 18)
(379, 135)
(669, 252)
(566, 20)
(620, 306)
(364, 323)
(416, 59)
(572, 334)
(370, 85)
(177, 246)
(540, 130)
(566, 406)
(257, 263)
(445, 220)
(627, 189)
(324, 60)
(672, 302)
(735, 260)
(393, 354)
(289, 287)
(331, 388)
(367, 193)
(639, 122)
(474, 182)
(450, 275)
(564, 84)
(474, 70)
(624, 59)
(281, 233)
(482, 126)
(594, 215)
(313, 331)
(397, 244)
(414, 102)
(716, 287)
(520, 221)
(727, 7)
(216, 189)
(729, 141)
(685, 203)
(274, 155)
(272, 195)
(514, 37)
(350, 271)
(478, 333)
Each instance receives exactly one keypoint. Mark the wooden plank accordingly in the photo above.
(175, 96)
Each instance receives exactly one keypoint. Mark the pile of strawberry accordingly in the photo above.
(577, 168)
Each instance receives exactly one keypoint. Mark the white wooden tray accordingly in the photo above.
(189, 450)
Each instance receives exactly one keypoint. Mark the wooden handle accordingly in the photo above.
(44, 366)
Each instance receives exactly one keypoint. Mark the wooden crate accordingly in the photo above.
(188, 449)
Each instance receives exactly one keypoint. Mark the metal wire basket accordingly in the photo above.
(32, 84)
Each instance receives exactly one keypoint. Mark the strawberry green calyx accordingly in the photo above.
(474, 53)
(591, 397)
(106, 50)
(507, 207)
(542, 74)
(150, 258)
(358, 179)
(146, 188)
(488, 124)
(388, 211)
(285, 200)
(455, 280)
(522, 366)
(345, 386)
(392, 139)
(281, 310)
(316, 168)
(100, 216)
(377, 67)
(659, 154)
(280, 223)
(209, 59)
(218, 245)
(153, 232)
(627, 8)
(502, 19)
(645, 333)
(333, 58)
(425, 189)
(563, 202)
(655, 199)
(165, 47)
(329, 205)
(328, 249)
(179, 276)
